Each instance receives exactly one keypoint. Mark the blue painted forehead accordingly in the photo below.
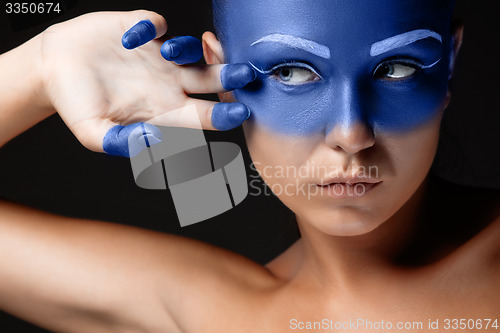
(333, 23)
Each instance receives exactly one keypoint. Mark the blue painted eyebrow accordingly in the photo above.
(401, 40)
(319, 50)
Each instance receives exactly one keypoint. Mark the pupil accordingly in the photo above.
(388, 70)
(286, 74)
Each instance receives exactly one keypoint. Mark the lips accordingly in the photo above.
(348, 181)
(348, 187)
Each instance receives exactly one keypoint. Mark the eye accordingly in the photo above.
(294, 74)
(396, 70)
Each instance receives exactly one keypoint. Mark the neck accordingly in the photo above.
(349, 261)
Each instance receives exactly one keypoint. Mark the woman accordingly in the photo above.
(351, 95)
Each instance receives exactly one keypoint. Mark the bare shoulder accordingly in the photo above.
(203, 281)
(492, 233)
(480, 256)
(286, 264)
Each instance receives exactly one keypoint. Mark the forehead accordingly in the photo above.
(337, 24)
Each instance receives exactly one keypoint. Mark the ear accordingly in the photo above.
(212, 49)
(457, 38)
(213, 53)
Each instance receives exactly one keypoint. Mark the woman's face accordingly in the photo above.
(347, 104)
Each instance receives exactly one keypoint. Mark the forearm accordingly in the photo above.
(67, 275)
(24, 101)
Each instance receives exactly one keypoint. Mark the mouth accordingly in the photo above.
(348, 188)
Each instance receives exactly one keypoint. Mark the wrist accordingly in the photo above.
(22, 90)
(39, 92)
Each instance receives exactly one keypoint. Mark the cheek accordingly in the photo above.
(285, 110)
(404, 106)
(283, 162)
(411, 156)
(268, 148)
(421, 150)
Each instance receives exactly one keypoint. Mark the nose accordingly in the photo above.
(351, 138)
(349, 130)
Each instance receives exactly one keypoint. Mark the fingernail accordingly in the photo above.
(151, 140)
(238, 113)
(237, 76)
(150, 134)
(175, 50)
(171, 50)
(129, 141)
(226, 116)
(131, 39)
(182, 50)
(139, 34)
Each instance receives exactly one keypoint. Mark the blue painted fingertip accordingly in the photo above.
(226, 116)
(139, 34)
(182, 50)
(129, 141)
(151, 133)
(237, 76)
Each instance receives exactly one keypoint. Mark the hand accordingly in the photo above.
(98, 86)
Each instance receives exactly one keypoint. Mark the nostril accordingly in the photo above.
(351, 139)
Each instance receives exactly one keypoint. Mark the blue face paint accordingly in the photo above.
(326, 63)
(298, 43)
(139, 34)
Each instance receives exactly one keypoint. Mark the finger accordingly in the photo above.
(219, 116)
(226, 116)
(151, 26)
(182, 50)
(203, 114)
(129, 141)
(237, 76)
(216, 78)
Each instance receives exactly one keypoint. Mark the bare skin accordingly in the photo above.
(67, 69)
(107, 277)
(71, 275)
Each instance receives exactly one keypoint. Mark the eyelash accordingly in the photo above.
(290, 64)
(406, 61)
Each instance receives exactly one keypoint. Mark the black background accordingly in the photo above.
(47, 168)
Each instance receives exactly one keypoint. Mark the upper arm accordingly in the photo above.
(75, 275)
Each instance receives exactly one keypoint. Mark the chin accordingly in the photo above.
(343, 221)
